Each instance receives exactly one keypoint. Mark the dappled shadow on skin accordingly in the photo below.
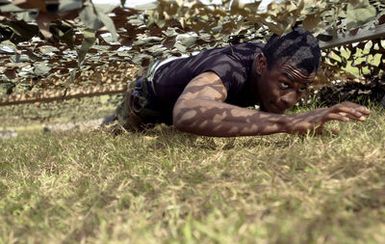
(197, 116)
(200, 110)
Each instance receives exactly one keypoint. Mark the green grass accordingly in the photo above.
(164, 186)
(30, 115)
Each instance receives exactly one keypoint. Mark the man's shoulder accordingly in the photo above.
(248, 45)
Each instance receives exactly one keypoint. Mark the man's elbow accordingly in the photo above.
(182, 116)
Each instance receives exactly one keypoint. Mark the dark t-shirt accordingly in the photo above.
(232, 64)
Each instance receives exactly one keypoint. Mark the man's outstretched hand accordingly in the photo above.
(315, 120)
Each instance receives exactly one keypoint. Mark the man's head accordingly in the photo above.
(286, 67)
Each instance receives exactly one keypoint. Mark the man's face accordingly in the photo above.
(281, 87)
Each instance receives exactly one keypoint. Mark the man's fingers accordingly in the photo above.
(363, 110)
(338, 116)
(359, 117)
(352, 111)
(356, 106)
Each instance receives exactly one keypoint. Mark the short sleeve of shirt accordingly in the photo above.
(226, 67)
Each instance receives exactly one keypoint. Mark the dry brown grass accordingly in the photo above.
(164, 186)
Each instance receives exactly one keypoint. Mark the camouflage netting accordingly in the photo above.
(362, 77)
(362, 93)
(74, 47)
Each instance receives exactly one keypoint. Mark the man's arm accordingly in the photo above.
(201, 110)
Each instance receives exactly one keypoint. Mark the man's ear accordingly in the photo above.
(260, 63)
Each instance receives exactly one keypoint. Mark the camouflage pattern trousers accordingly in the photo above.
(137, 111)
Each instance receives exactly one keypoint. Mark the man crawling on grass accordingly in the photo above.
(209, 93)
